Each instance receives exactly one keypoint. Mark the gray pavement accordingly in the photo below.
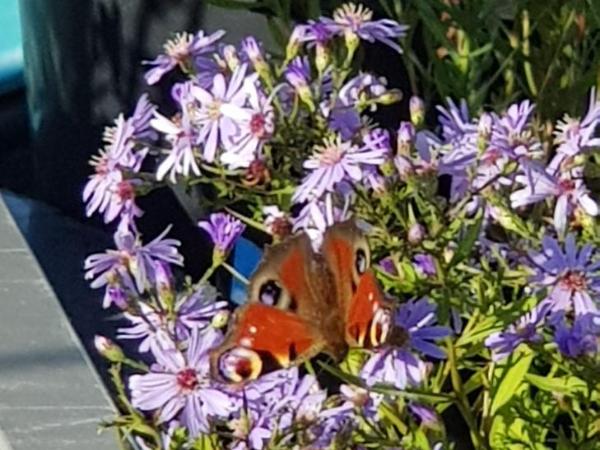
(50, 396)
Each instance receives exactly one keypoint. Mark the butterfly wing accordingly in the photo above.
(347, 254)
(262, 339)
(291, 308)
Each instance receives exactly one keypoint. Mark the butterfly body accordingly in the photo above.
(302, 303)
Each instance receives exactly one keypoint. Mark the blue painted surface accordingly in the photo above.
(11, 54)
(246, 256)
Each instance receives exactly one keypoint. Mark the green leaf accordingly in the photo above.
(511, 377)
(353, 362)
(466, 244)
(506, 429)
(480, 331)
(204, 442)
(567, 385)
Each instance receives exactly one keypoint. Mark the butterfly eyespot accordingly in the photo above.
(361, 262)
(380, 327)
(270, 293)
(239, 365)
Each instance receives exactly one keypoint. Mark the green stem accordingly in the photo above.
(207, 274)
(135, 365)
(235, 273)
(525, 23)
(248, 221)
(461, 399)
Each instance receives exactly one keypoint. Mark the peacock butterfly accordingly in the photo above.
(302, 303)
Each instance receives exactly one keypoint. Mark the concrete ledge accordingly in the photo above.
(50, 396)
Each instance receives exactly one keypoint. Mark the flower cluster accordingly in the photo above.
(483, 225)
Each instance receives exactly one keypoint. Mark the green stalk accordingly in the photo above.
(461, 400)
(235, 273)
(525, 23)
(248, 221)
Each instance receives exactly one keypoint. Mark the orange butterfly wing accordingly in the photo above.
(359, 294)
(291, 327)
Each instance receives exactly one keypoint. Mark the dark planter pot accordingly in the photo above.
(82, 68)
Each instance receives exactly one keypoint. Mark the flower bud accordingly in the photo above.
(390, 97)
(220, 319)
(164, 286)
(254, 53)
(115, 294)
(416, 234)
(108, 349)
(417, 111)
(484, 126)
(352, 40)
(322, 57)
(405, 139)
(231, 57)
(294, 42)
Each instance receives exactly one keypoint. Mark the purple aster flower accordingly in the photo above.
(179, 386)
(388, 265)
(411, 329)
(111, 189)
(110, 193)
(525, 330)
(460, 134)
(297, 74)
(274, 404)
(256, 126)
(344, 117)
(220, 110)
(581, 339)
(571, 275)
(316, 32)
(131, 260)
(569, 193)
(180, 51)
(490, 168)
(182, 135)
(156, 328)
(511, 134)
(575, 136)
(355, 22)
(333, 162)
(316, 216)
(425, 265)
(223, 230)
(141, 118)
(253, 51)
(427, 417)
(425, 162)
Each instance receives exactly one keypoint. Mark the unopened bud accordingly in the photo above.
(416, 233)
(352, 41)
(294, 42)
(390, 97)
(164, 286)
(417, 111)
(322, 58)
(220, 319)
(484, 126)
(108, 349)
(231, 57)
(406, 138)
